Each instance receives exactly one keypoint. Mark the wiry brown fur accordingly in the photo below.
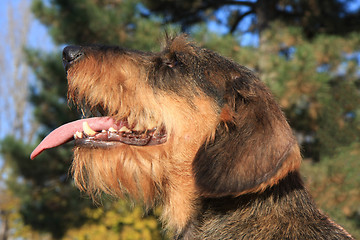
(142, 172)
(229, 167)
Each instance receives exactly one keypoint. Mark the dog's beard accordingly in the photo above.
(120, 171)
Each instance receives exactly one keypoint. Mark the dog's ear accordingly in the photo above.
(253, 146)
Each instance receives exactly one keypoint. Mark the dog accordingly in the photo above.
(193, 132)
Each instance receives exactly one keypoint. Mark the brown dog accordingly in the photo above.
(194, 132)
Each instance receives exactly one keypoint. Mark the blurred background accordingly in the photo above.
(306, 51)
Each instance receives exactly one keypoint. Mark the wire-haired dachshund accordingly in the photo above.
(194, 132)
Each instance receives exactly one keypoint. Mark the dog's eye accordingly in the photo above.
(171, 60)
(171, 64)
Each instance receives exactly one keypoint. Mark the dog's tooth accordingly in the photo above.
(87, 130)
(112, 130)
(78, 135)
(138, 128)
(124, 129)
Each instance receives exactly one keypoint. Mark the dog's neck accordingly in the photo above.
(285, 211)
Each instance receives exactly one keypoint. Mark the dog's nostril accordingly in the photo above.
(71, 53)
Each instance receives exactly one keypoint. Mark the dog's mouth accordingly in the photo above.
(112, 136)
(101, 132)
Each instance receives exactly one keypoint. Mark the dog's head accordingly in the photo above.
(175, 125)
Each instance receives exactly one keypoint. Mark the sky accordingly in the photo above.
(36, 38)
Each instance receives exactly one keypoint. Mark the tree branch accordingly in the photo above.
(244, 3)
(239, 18)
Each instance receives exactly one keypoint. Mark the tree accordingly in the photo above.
(314, 17)
(15, 73)
(15, 117)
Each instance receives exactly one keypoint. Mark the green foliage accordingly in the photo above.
(314, 17)
(338, 124)
(105, 22)
(86, 21)
(335, 183)
(43, 189)
(117, 220)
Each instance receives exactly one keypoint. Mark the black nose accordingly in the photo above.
(70, 55)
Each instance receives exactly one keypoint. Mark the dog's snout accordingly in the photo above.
(70, 55)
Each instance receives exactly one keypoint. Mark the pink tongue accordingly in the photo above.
(66, 132)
